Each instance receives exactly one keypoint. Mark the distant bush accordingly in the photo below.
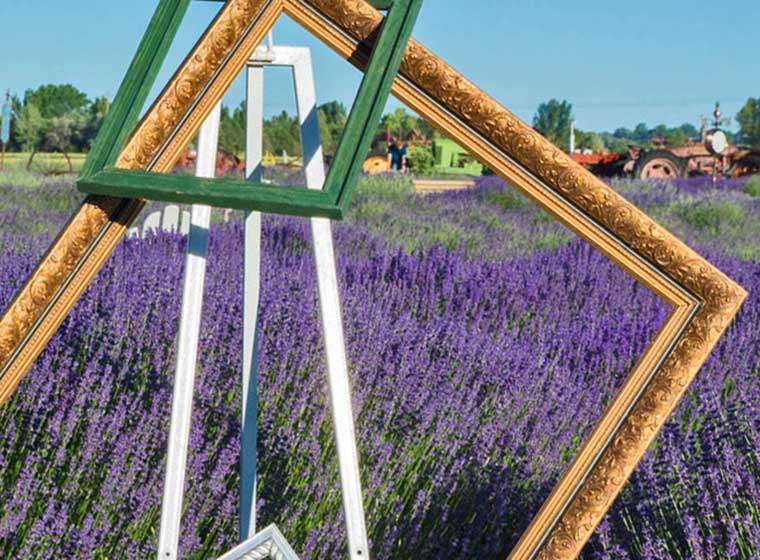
(506, 199)
(713, 216)
(421, 160)
(19, 178)
(393, 187)
(752, 186)
(378, 195)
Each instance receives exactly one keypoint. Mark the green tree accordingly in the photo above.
(590, 140)
(60, 134)
(409, 123)
(617, 145)
(51, 113)
(282, 134)
(88, 123)
(427, 130)
(689, 130)
(676, 137)
(660, 131)
(332, 120)
(232, 130)
(57, 100)
(100, 107)
(30, 127)
(400, 124)
(421, 160)
(749, 122)
(393, 123)
(553, 120)
(641, 134)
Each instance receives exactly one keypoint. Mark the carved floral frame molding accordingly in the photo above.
(703, 300)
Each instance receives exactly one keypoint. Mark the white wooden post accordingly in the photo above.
(572, 137)
(170, 219)
(251, 292)
(151, 223)
(184, 227)
(332, 320)
(187, 348)
(299, 59)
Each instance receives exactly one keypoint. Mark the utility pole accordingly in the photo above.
(5, 128)
(572, 137)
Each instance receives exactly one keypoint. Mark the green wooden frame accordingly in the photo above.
(99, 175)
(381, 4)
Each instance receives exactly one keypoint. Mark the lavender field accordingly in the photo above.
(484, 341)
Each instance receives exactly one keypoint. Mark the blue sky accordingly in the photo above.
(663, 61)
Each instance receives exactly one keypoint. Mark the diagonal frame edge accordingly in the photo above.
(380, 73)
(715, 295)
(27, 316)
(136, 85)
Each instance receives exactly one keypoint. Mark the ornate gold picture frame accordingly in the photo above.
(703, 300)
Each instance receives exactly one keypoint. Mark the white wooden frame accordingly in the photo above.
(299, 59)
(268, 544)
(187, 347)
(170, 219)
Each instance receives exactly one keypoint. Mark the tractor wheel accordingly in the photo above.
(375, 165)
(748, 165)
(659, 164)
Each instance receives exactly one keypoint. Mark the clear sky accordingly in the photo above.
(619, 63)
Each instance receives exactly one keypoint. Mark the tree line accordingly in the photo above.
(55, 118)
(554, 119)
(60, 118)
(281, 133)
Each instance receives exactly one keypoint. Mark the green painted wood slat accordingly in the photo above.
(374, 92)
(377, 4)
(226, 193)
(335, 196)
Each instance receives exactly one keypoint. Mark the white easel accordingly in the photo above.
(299, 59)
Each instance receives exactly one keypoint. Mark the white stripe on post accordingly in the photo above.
(187, 348)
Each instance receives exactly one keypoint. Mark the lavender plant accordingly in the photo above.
(477, 371)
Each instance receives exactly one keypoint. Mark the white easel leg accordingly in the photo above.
(300, 60)
(192, 300)
(251, 292)
(340, 390)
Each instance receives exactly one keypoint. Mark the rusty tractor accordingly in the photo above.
(711, 155)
